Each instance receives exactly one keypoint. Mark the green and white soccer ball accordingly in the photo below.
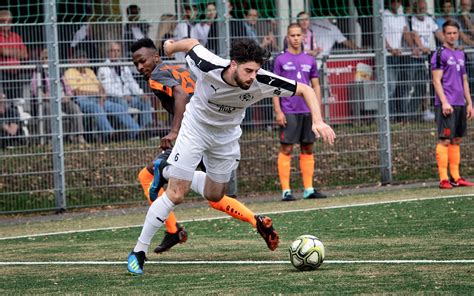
(307, 253)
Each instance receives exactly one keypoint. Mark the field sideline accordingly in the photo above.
(391, 241)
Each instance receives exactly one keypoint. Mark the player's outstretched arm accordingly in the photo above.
(171, 47)
(320, 128)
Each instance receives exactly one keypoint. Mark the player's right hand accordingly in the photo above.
(167, 141)
(447, 109)
(166, 47)
(324, 131)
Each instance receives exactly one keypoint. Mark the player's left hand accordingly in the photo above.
(167, 141)
(469, 112)
(324, 131)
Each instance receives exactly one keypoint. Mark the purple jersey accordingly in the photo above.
(452, 62)
(300, 67)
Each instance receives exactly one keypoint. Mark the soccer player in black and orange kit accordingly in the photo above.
(173, 86)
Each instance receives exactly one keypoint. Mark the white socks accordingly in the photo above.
(199, 180)
(155, 217)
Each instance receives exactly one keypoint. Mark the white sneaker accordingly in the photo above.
(428, 115)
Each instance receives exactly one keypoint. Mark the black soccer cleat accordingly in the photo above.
(287, 196)
(266, 230)
(172, 239)
(315, 194)
(135, 262)
(158, 180)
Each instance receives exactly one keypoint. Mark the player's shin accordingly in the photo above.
(234, 208)
(155, 217)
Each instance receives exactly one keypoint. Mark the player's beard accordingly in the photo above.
(241, 83)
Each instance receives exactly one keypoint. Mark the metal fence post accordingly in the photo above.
(51, 32)
(383, 120)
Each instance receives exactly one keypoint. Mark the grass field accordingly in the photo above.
(387, 233)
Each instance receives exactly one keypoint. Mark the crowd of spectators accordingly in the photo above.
(109, 99)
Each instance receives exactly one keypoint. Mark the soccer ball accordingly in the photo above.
(307, 253)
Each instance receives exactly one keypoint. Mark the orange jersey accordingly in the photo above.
(165, 77)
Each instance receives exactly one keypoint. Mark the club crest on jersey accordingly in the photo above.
(246, 97)
(277, 92)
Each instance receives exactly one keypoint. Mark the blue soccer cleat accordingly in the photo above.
(158, 180)
(135, 262)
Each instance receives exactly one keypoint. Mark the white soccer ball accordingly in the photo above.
(307, 253)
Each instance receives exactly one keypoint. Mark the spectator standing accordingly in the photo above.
(293, 115)
(448, 14)
(424, 30)
(121, 88)
(327, 35)
(10, 125)
(466, 18)
(12, 52)
(166, 30)
(309, 40)
(453, 106)
(206, 30)
(396, 31)
(135, 28)
(43, 89)
(186, 28)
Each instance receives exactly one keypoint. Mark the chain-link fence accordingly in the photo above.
(68, 143)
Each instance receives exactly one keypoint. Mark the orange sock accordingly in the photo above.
(234, 208)
(284, 166)
(307, 169)
(454, 159)
(442, 161)
(145, 178)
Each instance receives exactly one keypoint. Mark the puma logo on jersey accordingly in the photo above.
(199, 63)
(271, 80)
(214, 88)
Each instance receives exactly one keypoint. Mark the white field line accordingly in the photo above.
(250, 262)
(228, 217)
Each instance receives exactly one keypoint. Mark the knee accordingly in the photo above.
(306, 149)
(286, 149)
(445, 142)
(456, 141)
(176, 195)
(213, 195)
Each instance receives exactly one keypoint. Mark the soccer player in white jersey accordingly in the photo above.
(210, 129)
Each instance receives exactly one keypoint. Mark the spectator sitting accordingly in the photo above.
(122, 88)
(10, 125)
(165, 31)
(91, 98)
(12, 51)
(76, 126)
(135, 29)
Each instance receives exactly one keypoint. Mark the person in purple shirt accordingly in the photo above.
(293, 115)
(453, 106)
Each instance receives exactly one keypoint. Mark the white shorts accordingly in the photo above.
(219, 149)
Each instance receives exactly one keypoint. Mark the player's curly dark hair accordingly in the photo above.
(144, 42)
(248, 50)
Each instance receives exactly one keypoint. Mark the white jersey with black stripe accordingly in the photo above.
(222, 105)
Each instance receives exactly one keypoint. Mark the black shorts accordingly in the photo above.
(452, 126)
(298, 129)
